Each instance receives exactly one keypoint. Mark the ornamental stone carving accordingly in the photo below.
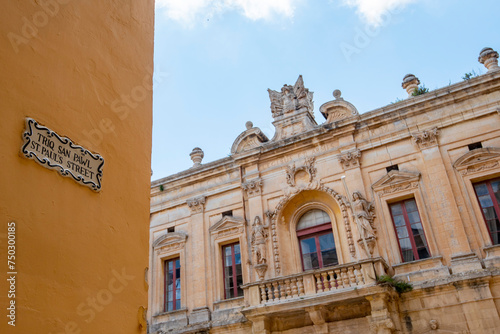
(170, 242)
(227, 226)
(364, 214)
(478, 160)
(197, 205)
(308, 167)
(350, 159)
(259, 246)
(396, 181)
(337, 109)
(426, 138)
(291, 98)
(410, 84)
(489, 58)
(252, 187)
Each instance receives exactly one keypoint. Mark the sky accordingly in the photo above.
(215, 60)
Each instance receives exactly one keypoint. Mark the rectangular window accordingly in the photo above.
(172, 285)
(409, 230)
(488, 195)
(233, 276)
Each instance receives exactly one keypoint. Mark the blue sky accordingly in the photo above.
(215, 60)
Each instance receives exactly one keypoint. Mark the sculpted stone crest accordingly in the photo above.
(291, 98)
(307, 167)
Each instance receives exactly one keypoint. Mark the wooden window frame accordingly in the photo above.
(409, 229)
(238, 292)
(174, 278)
(316, 232)
(496, 205)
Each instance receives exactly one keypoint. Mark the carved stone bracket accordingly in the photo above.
(252, 187)
(308, 167)
(425, 139)
(350, 159)
(197, 205)
(478, 160)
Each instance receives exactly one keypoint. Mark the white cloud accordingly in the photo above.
(373, 11)
(188, 11)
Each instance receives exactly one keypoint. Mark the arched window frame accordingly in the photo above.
(297, 256)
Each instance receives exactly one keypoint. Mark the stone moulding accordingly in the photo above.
(170, 242)
(227, 226)
(275, 214)
(252, 187)
(396, 181)
(308, 167)
(478, 160)
(197, 205)
(248, 140)
(426, 138)
(350, 159)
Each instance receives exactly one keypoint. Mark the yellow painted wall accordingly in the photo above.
(83, 69)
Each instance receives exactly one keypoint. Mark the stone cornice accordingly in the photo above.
(433, 100)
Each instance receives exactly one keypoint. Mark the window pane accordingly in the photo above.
(396, 209)
(229, 261)
(177, 304)
(413, 217)
(308, 245)
(170, 265)
(237, 258)
(420, 241)
(399, 220)
(423, 253)
(485, 201)
(329, 258)
(410, 205)
(496, 189)
(402, 232)
(313, 218)
(408, 256)
(417, 229)
(170, 306)
(310, 261)
(227, 250)
(237, 248)
(481, 189)
(326, 241)
(405, 244)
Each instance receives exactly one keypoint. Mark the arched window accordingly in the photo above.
(317, 246)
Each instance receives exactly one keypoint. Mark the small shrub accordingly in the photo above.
(469, 75)
(420, 90)
(161, 187)
(399, 286)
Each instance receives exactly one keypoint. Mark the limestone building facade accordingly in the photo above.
(297, 233)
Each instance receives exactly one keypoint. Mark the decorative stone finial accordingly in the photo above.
(336, 94)
(410, 83)
(489, 58)
(197, 156)
(249, 125)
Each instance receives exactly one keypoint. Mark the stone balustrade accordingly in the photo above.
(330, 279)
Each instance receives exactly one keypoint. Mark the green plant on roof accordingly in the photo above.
(420, 90)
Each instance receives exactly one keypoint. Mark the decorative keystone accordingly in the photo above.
(197, 156)
(410, 83)
(489, 58)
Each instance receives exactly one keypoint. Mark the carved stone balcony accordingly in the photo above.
(302, 286)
